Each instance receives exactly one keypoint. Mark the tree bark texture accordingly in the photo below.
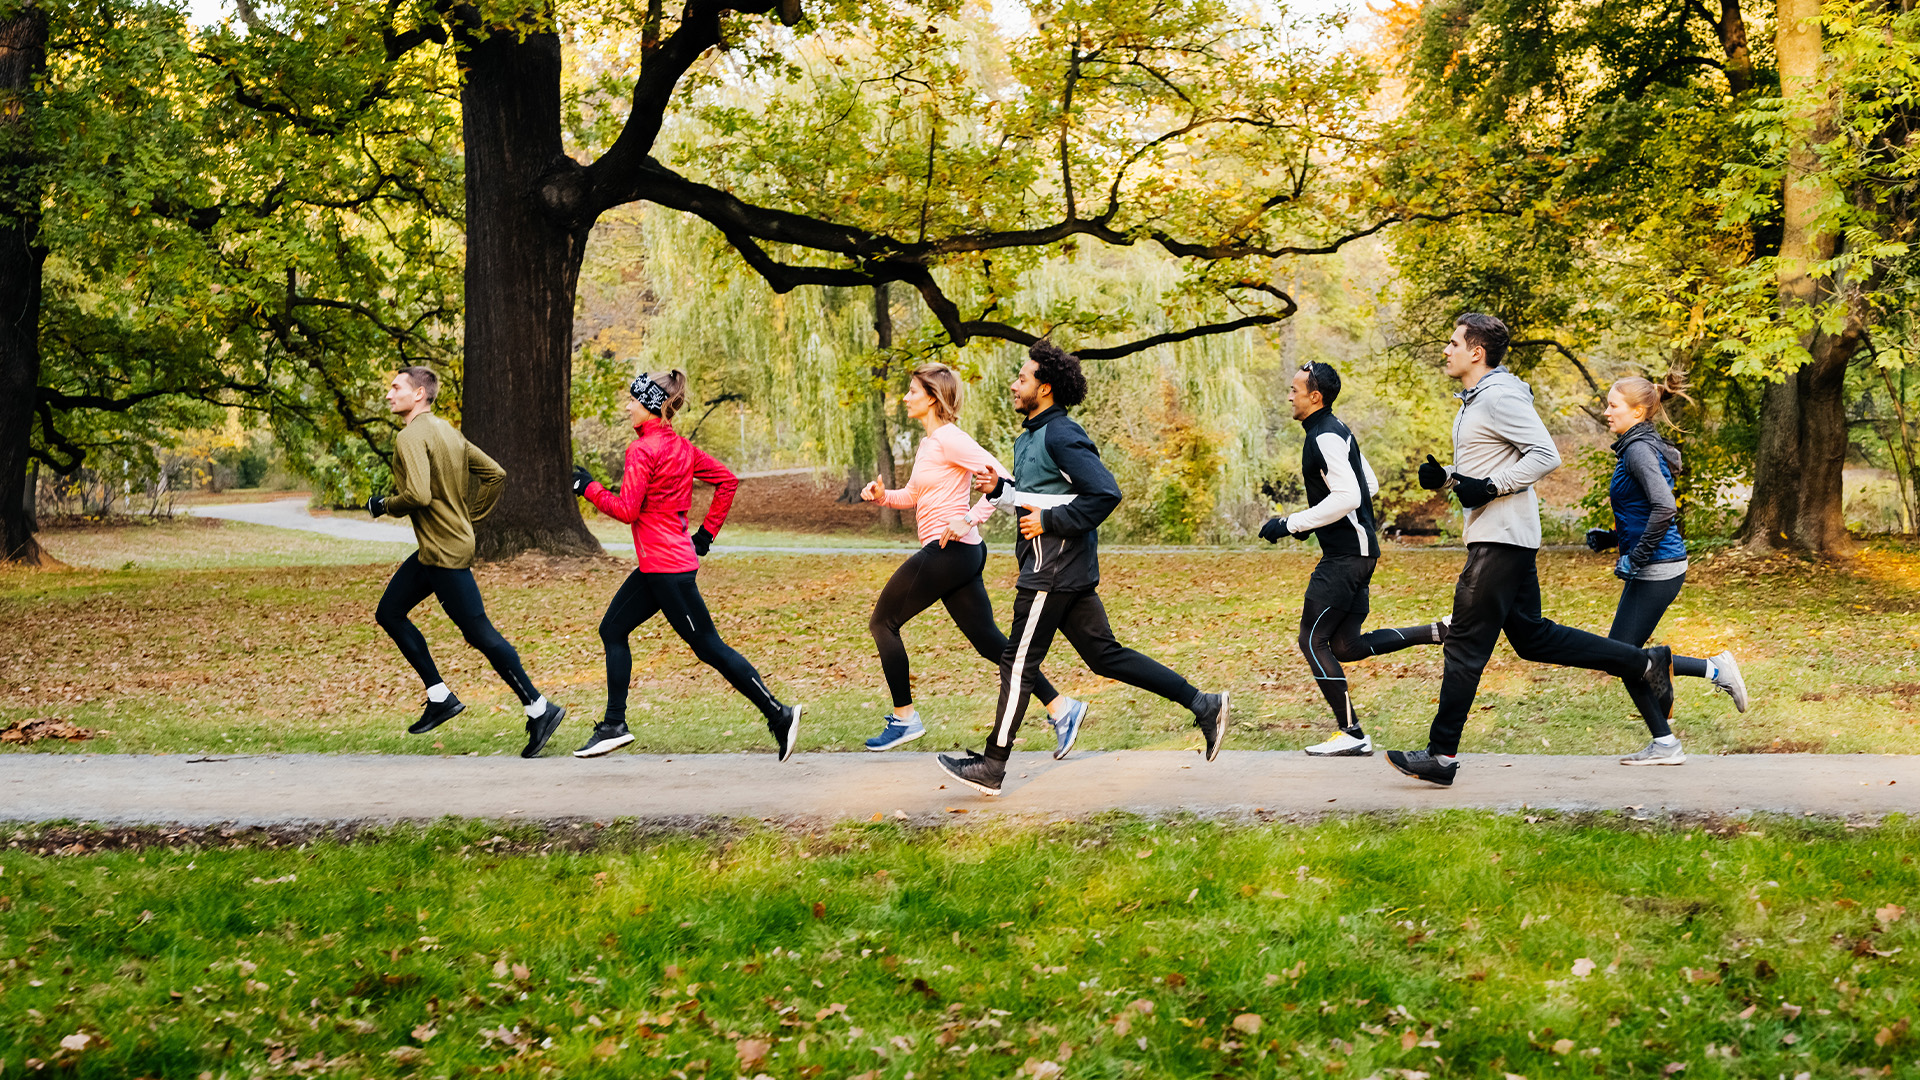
(23, 55)
(523, 263)
(882, 443)
(1797, 491)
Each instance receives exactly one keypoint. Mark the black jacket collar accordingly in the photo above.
(1043, 418)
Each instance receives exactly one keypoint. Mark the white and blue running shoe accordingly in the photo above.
(1067, 728)
(898, 732)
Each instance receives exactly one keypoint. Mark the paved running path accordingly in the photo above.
(322, 788)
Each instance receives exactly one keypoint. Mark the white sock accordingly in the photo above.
(1668, 740)
(537, 707)
(1446, 759)
(1713, 670)
(438, 693)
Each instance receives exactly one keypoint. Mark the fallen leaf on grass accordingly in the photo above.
(1563, 1047)
(407, 1055)
(1583, 967)
(1890, 914)
(1674, 1067)
(752, 1052)
(1248, 1023)
(425, 1032)
(76, 1042)
(33, 729)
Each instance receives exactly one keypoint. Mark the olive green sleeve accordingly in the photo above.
(487, 481)
(412, 473)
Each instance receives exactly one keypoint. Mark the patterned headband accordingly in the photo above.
(648, 393)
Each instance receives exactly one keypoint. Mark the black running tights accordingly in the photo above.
(1329, 636)
(950, 575)
(1642, 603)
(460, 598)
(678, 597)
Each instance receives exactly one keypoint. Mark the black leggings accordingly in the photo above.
(1037, 616)
(460, 598)
(1642, 603)
(950, 575)
(1499, 592)
(1330, 636)
(678, 596)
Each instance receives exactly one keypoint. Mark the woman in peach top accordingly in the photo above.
(947, 568)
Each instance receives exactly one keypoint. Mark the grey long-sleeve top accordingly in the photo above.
(1498, 435)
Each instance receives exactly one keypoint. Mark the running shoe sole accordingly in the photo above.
(974, 784)
(1677, 759)
(1736, 686)
(541, 729)
(423, 725)
(901, 741)
(792, 737)
(604, 746)
(1363, 750)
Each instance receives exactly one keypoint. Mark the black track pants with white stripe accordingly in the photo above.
(1037, 616)
(1330, 635)
(678, 597)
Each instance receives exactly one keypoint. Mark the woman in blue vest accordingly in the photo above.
(1653, 557)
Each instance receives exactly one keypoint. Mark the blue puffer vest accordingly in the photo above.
(1631, 508)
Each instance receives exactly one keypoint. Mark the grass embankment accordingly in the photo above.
(253, 659)
(1450, 945)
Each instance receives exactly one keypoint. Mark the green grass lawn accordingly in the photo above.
(1448, 945)
(227, 655)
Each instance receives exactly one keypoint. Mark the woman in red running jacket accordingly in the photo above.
(654, 495)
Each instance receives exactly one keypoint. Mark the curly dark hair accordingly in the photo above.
(1059, 369)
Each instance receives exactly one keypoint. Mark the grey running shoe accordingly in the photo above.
(1210, 715)
(977, 771)
(1660, 677)
(1656, 754)
(608, 736)
(1727, 678)
(1422, 765)
(1342, 745)
(1067, 729)
(786, 730)
(541, 728)
(1442, 630)
(439, 712)
(898, 732)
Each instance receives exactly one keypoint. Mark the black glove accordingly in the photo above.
(1473, 493)
(1275, 530)
(1433, 475)
(702, 540)
(1624, 569)
(581, 478)
(377, 505)
(1602, 539)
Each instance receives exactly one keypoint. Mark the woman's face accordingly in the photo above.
(1621, 416)
(919, 403)
(636, 412)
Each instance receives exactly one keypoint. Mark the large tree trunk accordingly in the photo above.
(882, 442)
(1797, 491)
(523, 263)
(23, 55)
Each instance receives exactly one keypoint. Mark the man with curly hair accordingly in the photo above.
(1061, 492)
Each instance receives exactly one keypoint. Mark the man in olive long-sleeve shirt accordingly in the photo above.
(443, 484)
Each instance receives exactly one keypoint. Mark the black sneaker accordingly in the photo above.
(1210, 716)
(608, 736)
(1422, 765)
(786, 730)
(436, 713)
(1660, 677)
(541, 728)
(977, 771)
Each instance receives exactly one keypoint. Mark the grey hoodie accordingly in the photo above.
(1498, 436)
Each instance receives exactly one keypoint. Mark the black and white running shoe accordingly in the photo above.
(435, 714)
(786, 730)
(977, 771)
(608, 736)
(541, 728)
(1210, 716)
(1422, 765)
(1660, 677)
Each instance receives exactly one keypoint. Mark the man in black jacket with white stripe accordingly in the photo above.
(1340, 488)
(1061, 492)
